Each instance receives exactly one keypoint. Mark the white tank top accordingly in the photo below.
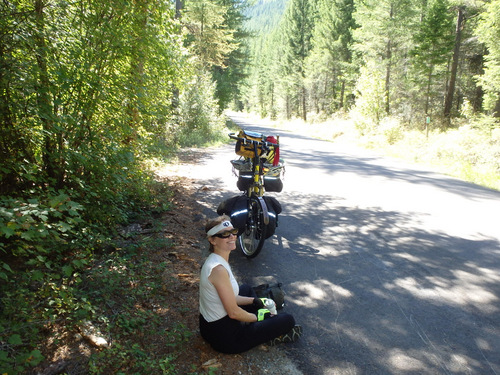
(211, 306)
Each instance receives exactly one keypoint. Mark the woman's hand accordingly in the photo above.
(263, 314)
(258, 303)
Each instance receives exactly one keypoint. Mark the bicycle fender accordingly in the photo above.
(274, 209)
(265, 212)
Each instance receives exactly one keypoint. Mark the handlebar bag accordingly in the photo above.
(247, 149)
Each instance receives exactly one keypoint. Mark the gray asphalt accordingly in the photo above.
(390, 268)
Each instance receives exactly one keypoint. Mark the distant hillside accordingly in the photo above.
(265, 15)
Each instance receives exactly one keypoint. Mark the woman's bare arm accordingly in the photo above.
(220, 279)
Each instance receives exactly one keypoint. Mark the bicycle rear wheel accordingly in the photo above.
(251, 241)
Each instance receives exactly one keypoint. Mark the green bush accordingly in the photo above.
(25, 225)
(199, 122)
(391, 130)
(47, 244)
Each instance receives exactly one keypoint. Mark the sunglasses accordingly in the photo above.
(227, 233)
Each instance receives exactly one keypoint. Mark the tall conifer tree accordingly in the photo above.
(229, 78)
(209, 36)
(330, 63)
(489, 33)
(383, 40)
(298, 28)
(433, 46)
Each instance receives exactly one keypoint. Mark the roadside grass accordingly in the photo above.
(123, 286)
(110, 315)
(469, 151)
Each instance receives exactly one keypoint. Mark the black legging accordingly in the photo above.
(227, 335)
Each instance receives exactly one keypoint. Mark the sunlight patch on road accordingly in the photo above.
(481, 274)
(314, 294)
(343, 367)
(467, 291)
(460, 363)
(403, 362)
(407, 256)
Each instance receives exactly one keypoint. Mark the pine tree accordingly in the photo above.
(209, 35)
(297, 28)
(229, 78)
(450, 92)
(488, 32)
(433, 46)
(382, 42)
(330, 63)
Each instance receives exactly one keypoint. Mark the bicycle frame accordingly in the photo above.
(257, 187)
(252, 238)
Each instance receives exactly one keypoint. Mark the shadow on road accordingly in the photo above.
(378, 297)
(376, 292)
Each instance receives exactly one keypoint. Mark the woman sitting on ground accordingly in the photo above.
(230, 319)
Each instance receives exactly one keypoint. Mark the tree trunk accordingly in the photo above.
(496, 111)
(51, 153)
(6, 124)
(316, 98)
(454, 67)
(288, 112)
(428, 94)
(334, 90)
(388, 71)
(273, 111)
(388, 79)
(342, 93)
(304, 106)
(178, 7)
(137, 73)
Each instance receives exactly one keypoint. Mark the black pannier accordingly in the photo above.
(273, 291)
(236, 208)
(244, 181)
(274, 209)
(273, 184)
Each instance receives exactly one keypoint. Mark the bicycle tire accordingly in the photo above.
(251, 241)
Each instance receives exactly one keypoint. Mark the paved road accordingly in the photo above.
(390, 268)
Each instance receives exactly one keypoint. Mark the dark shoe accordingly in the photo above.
(291, 336)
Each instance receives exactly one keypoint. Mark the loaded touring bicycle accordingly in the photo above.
(259, 169)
